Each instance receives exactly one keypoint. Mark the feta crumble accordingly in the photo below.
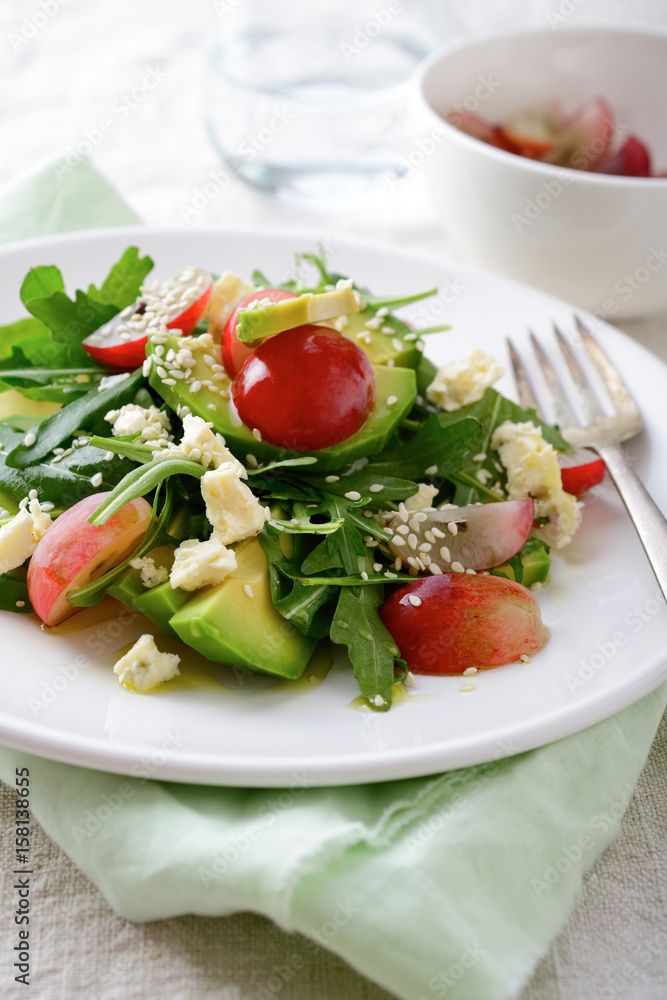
(202, 445)
(151, 424)
(151, 575)
(533, 471)
(231, 507)
(107, 381)
(201, 564)
(423, 498)
(463, 382)
(144, 666)
(19, 537)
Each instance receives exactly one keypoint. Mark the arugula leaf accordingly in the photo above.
(491, 411)
(53, 385)
(14, 592)
(137, 452)
(302, 605)
(41, 281)
(393, 489)
(356, 624)
(86, 413)
(63, 483)
(141, 481)
(70, 322)
(122, 286)
(434, 444)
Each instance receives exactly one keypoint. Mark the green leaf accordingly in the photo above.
(136, 452)
(14, 592)
(433, 445)
(356, 624)
(305, 606)
(41, 281)
(360, 481)
(141, 481)
(86, 414)
(122, 286)
(286, 463)
(70, 322)
(52, 385)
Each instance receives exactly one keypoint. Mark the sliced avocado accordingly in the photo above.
(382, 347)
(227, 625)
(129, 586)
(536, 563)
(160, 603)
(311, 307)
(381, 424)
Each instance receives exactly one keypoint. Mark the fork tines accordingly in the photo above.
(574, 382)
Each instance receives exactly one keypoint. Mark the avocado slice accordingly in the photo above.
(228, 626)
(373, 436)
(129, 587)
(536, 563)
(260, 321)
(160, 604)
(382, 347)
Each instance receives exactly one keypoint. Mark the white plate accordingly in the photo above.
(60, 699)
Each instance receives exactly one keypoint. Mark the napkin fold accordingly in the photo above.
(448, 886)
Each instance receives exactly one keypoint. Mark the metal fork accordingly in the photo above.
(601, 433)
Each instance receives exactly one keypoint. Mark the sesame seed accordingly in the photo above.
(409, 679)
(377, 567)
(412, 540)
(109, 456)
(398, 540)
(467, 688)
(469, 671)
(445, 554)
(378, 700)
(429, 536)
(196, 386)
(390, 576)
(247, 590)
(437, 533)
(96, 480)
(251, 461)
(524, 658)
(414, 523)
(391, 400)
(257, 434)
(29, 439)
(420, 346)
(331, 479)
(410, 336)
(414, 600)
(353, 495)
(457, 567)
(420, 516)
(20, 604)
(376, 488)
(146, 367)
(425, 547)
(382, 312)
(431, 471)
(452, 527)
(479, 458)
(471, 572)
(364, 575)
(162, 372)
(387, 329)
(169, 381)
(32, 495)
(397, 344)
(435, 569)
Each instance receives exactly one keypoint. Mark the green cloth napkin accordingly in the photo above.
(450, 886)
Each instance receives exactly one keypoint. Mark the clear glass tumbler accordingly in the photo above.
(309, 98)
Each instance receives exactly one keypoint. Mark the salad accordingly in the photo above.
(258, 468)
(586, 139)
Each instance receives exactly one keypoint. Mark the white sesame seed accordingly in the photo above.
(479, 458)
(457, 567)
(390, 576)
(429, 536)
(331, 479)
(376, 488)
(391, 400)
(382, 312)
(397, 344)
(469, 671)
(435, 569)
(414, 600)
(420, 517)
(437, 533)
(431, 471)
(445, 554)
(467, 688)
(353, 495)
(109, 456)
(33, 495)
(29, 439)
(524, 658)
(471, 572)
(398, 540)
(247, 590)
(251, 461)
(169, 381)
(364, 575)
(452, 527)
(96, 480)
(20, 604)
(409, 679)
(403, 529)
(412, 540)
(257, 434)
(425, 547)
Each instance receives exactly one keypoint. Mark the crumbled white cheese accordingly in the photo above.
(533, 471)
(201, 564)
(228, 292)
(151, 575)
(107, 381)
(152, 425)
(202, 445)
(19, 537)
(231, 507)
(422, 498)
(463, 382)
(144, 666)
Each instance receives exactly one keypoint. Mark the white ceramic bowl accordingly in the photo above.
(597, 240)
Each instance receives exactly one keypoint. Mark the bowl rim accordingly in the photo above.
(536, 167)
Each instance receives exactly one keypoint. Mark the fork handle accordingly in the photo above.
(650, 524)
